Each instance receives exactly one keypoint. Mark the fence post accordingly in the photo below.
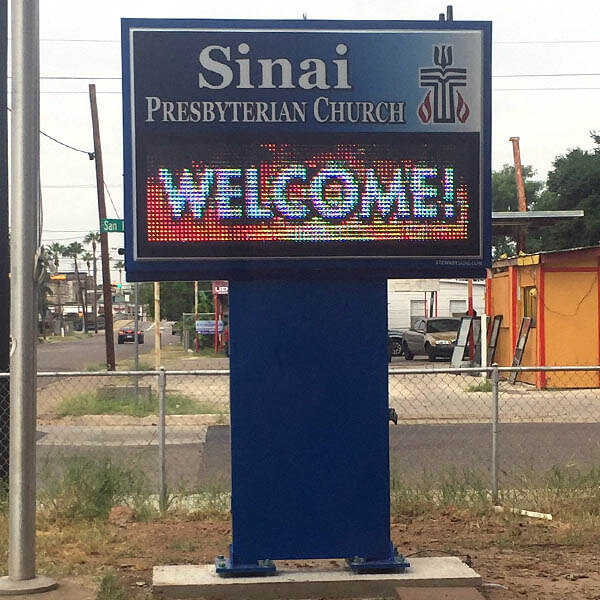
(495, 422)
(162, 470)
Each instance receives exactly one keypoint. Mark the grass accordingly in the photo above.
(110, 588)
(94, 367)
(124, 402)
(77, 494)
(207, 501)
(567, 492)
(460, 489)
(207, 353)
(72, 337)
(483, 386)
(87, 488)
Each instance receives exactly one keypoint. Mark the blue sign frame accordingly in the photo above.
(156, 264)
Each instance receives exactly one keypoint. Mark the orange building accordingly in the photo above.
(559, 290)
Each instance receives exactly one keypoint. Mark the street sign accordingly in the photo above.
(208, 327)
(311, 148)
(220, 288)
(112, 226)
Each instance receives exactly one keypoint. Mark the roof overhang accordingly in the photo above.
(532, 218)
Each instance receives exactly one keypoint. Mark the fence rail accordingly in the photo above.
(466, 423)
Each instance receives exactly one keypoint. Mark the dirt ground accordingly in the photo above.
(534, 559)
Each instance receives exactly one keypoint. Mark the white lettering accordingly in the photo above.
(216, 67)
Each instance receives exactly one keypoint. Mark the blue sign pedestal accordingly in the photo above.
(309, 424)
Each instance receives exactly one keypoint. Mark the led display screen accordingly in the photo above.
(287, 146)
(331, 195)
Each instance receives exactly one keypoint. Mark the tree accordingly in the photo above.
(176, 297)
(574, 183)
(119, 266)
(43, 289)
(73, 250)
(93, 238)
(87, 259)
(54, 253)
(504, 199)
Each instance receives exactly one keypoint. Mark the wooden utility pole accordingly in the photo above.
(106, 289)
(157, 325)
(521, 198)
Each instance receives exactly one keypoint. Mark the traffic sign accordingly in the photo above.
(112, 226)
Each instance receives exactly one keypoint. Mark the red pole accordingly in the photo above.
(216, 323)
(196, 312)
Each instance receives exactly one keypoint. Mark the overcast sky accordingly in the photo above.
(82, 40)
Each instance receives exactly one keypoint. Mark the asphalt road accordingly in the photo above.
(79, 354)
(197, 457)
(418, 451)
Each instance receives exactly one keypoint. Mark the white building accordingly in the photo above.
(409, 299)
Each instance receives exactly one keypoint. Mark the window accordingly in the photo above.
(441, 325)
(417, 311)
(530, 303)
(458, 307)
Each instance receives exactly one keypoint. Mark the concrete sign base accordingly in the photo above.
(201, 581)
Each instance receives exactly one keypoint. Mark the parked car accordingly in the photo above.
(127, 334)
(433, 336)
(394, 343)
(91, 325)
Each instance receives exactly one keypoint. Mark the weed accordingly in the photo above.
(483, 386)
(94, 367)
(87, 488)
(461, 489)
(566, 491)
(123, 401)
(110, 589)
(206, 501)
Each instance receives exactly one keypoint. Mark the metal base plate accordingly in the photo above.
(395, 564)
(261, 568)
(15, 587)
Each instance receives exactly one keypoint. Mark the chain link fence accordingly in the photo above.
(168, 430)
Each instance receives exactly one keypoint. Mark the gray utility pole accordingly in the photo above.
(106, 289)
(25, 217)
(4, 254)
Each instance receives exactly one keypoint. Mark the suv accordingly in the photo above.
(433, 336)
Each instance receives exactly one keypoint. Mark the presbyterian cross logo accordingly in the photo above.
(447, 104)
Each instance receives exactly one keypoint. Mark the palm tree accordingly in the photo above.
(119, 266)
(43, 289)
(93, 238)
(54, 253)
(73, 250)
(87, 258)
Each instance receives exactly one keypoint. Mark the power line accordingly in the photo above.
(550, 75)
(544, 89)
(87, 78)
(61, 186)
(547, 42)
(71, 92)
(559, 89)
(60, 77)
(111, 200)
(495, 43)
(90, 154)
